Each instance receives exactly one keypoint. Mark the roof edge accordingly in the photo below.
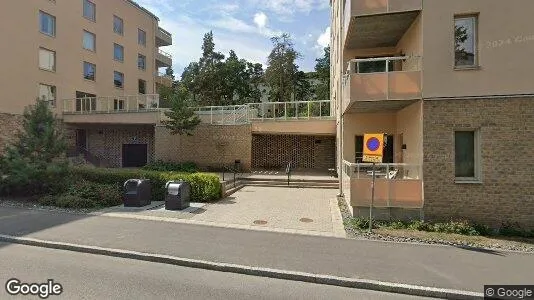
(143, 9)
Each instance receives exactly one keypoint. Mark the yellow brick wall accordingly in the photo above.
(507, 160)
(211, 146)
(9, 126)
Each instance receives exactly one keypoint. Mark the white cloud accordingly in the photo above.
(290, 7)
(324, 38)
(260, 19)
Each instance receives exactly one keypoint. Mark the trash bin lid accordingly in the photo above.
(173, 188)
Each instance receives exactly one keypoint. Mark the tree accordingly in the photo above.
(182, 117)
(37, 155)
(322, 73)
(303, 88)
(280, 74)
(460, 36)
(208, 81)
(190, 80)
(169, 72)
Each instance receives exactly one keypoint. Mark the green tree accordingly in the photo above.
(169, 72)
(303, 88)
(182, 117)
(281, 71)
(208, 81)
(322, 73)
(36, 161)
(190, 80)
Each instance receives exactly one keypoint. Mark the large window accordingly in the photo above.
(141, 37)
(118, 52)
(89, 41)
(141, 62)
(118, 25)
(89, 10)
(89, 71)
(47, 93)
(466, 166)
(118, 79)
(465, 41)
(47, 59)
(142, 86)
(47, 23)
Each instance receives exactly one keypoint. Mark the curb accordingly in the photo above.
(254, 271)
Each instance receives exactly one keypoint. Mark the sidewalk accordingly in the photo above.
(425, 265)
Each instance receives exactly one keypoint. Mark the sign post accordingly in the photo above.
(372, 152)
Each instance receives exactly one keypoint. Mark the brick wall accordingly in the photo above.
(106, 141)
(9, 126)
(210, 146)
(506, 128)
(308, 152)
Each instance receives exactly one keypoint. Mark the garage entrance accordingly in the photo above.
(134, 155)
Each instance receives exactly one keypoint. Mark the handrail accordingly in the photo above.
(357, 61)
(168, 55)
(391, 171)
(165, 32)
(109, 104)
(288, 172)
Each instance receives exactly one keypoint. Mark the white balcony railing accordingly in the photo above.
(165, 33)
(111, 104)
(168, 55)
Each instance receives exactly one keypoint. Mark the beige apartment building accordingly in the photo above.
(84, 56)
(451, 84)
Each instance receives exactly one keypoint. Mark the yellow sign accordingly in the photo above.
(373, 147)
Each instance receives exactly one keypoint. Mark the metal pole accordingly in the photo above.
(372, 201)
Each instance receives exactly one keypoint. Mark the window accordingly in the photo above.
(141, 62)
(47, 93)
(118, 52)
(118, 25)
(141, 37)
(465, 41)
(47, 59)
(142, 86)
(89, 41)
(466, 155)
(118, 79)
(89, 10)
(47, 23)
(118, 104)
(85, 101)
(89, 71)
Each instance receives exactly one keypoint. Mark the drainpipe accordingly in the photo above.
(340, 97)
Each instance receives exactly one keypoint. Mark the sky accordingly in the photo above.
(244, 26)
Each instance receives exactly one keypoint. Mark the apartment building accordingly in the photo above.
(451, 84)
(84, 56)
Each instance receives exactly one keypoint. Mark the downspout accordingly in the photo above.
(340, 94)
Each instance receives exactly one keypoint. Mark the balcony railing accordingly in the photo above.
(371, 7)
(163, 37)
(167, 55)
(384, 78)
(111, 104)
(396, 185)
(266, 111)
(165, 33)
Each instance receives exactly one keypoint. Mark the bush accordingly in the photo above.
(73, 201)
(85, 194)
(514, 229)
(162, 166)
(204, 187)
(461, 227)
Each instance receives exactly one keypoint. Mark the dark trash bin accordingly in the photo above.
(178, 195)
(137, 193)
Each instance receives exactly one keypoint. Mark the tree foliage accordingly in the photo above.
(281, 72)
(38, 152)
(182, 117)
(322, 73)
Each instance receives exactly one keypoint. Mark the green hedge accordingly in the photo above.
(204, 187)
(162, 166)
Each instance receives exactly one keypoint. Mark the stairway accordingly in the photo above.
(229, 187)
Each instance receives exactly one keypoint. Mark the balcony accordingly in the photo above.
(381, 84)
(377, 23)
(163, 59)
(135, 109)
(164, 79)
(163, 37)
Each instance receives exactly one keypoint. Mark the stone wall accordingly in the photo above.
(210, 146)
(304, 151)
(106, 141)
(506, 188)
(9, 126)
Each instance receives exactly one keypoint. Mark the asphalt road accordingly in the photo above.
(87, 276)
(426, 265)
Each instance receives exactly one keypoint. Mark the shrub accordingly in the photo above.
(162, 166)
(102, 195)
(204, 187)
(360, 223)
(420, 225)
(73, 201)
(458, 227)
(513, 229)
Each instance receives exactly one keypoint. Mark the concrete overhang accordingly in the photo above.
(298, 127)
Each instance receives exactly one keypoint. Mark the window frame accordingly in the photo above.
(122, 76)
(475, 18)
(52, 102)
(477, 157)
(93, 19)
(55, 60)
(139, 30)
(121, 33)
(121, 47)
(94, 40)
(139, 86)
(43, 13)
(139, 55)
(83, 71)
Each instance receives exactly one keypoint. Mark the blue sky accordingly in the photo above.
(244, 26)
